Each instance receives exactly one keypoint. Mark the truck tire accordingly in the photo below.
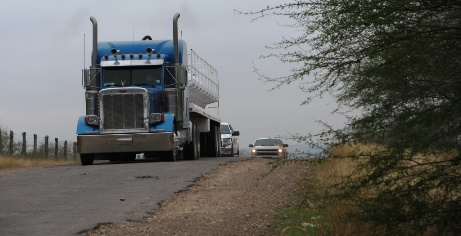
(217, 142)
(170, 156)
(203, 144)
(192, 150)
(197, 144)
(86, 159)
(232, 150)
(180, 155)
(214, 140)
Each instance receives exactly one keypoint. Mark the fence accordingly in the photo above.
(60, 150)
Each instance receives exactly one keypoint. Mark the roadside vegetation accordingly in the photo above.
(14, 154)
(15, 162)
(393, 68)
(315, 210)
(342, 199)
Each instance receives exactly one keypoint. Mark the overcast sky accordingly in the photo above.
(42, 46)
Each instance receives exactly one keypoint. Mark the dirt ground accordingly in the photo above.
(239, 198)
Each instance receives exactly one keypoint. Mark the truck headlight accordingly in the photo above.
(280, 150)
(156, 117)
(92, 120)
(226, 142)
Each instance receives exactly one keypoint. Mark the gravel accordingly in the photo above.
(239, 198)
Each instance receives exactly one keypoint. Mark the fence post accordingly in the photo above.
(11, 142)
(24, 144)
(1, 142)
(74, 151)
(56, 148)
(35, 145)
(46, 146)
(65, 149)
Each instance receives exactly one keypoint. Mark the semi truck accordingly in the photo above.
(148, 99)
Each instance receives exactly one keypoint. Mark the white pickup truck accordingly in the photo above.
(229, 140)
(269, 148)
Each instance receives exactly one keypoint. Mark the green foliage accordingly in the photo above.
(292, 221)
(306, 214)
(5, 141)
(398, 62)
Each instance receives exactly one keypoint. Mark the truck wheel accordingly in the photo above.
(203, 144)
(180, 155)
(197, 144)
(192, 150)
(232, 150)
(214, 142)
(170, 156)
(218, 140)
(86, 159)
(189, 151)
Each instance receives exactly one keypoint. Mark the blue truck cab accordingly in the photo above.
(137, 101)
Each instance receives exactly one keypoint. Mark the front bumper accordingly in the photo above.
(268, 154)
(226, 150)
(114, 143)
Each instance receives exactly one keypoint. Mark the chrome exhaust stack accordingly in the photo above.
(91, 77)
(175, 38)
(180, 75)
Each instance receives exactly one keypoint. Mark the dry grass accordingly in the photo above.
(335, 169)
(332, 172)
(13, 163)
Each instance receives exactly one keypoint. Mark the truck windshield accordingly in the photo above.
(268, 142)
(225, 129)
(127, 76)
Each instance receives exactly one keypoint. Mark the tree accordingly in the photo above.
(399, 63)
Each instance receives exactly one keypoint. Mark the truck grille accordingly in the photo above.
(122, 112)
(268, 152)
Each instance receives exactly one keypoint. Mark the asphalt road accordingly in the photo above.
(71, 199)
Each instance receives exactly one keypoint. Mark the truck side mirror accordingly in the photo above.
(251, 145)
(236, 133)
(285, 145)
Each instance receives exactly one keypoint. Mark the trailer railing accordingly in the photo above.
(203, 80)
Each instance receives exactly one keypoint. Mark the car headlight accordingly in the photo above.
(280, 150)
(226, 142)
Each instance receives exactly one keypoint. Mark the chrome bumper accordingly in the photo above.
(113, 143)
(226, 150)
(265, 156)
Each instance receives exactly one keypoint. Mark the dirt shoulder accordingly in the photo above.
(239, 198)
